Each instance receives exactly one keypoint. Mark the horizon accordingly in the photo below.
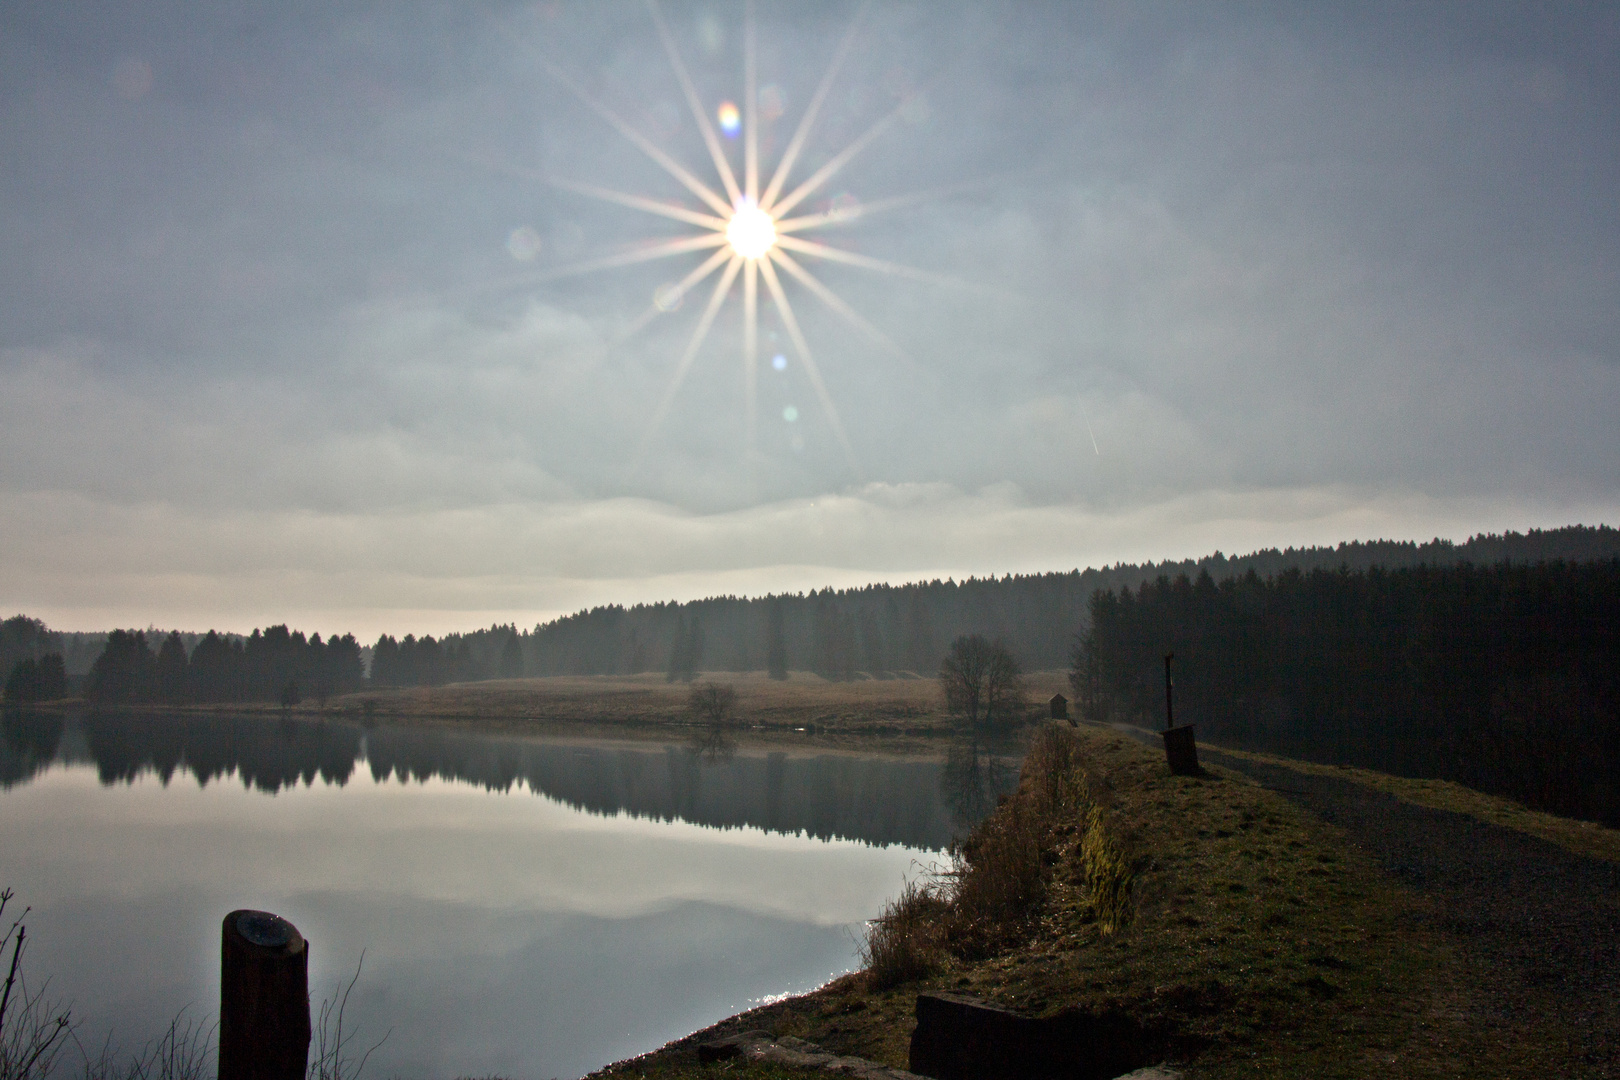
(362, 317)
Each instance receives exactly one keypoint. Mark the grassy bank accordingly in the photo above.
(1244, 935)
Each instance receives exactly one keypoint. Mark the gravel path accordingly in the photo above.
(1537, 926)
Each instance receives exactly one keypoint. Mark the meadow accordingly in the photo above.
(896, 713)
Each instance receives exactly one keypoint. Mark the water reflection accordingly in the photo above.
(712, 743)
(706, 782)
(28, 743)
(654, 890)
(977, 773)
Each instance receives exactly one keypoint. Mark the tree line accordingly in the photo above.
(273, 664)
(878, 631)
(1505, 677)
(904, 630)
(424, 661)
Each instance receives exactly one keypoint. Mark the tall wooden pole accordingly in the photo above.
(1169, 694)
(263, 998)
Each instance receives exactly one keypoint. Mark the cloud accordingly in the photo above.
(262, 326)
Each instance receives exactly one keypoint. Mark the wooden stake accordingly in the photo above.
(263, 998)
(1169, 694)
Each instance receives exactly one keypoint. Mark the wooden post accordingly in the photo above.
(1179, 748)
(1169, 694)
(263, 998)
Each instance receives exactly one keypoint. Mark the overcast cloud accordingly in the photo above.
(281, 339)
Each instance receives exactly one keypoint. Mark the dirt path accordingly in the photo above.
(1537, 926)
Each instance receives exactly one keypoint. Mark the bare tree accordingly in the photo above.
(981, 679)
(711, 705)
(711, 702)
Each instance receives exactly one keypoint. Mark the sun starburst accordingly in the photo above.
(753, 229)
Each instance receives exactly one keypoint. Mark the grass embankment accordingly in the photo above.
(1244, 934)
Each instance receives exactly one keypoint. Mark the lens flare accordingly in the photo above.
(751, 231)
(668, 297)
(523, 244)
(747, 223)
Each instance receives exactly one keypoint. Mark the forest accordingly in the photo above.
(877, 631)
(882, 630)
(1505, 678)
(274, 664)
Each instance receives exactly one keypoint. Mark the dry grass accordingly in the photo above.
(988, 898)
(904, 943)
(804, 700)
(903, 715)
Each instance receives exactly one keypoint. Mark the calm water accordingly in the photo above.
(527, 907)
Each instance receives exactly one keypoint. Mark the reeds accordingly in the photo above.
(904, 943)
(994, 892)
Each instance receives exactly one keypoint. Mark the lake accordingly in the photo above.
(526, 906)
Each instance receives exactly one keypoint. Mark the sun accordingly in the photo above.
(753, 231)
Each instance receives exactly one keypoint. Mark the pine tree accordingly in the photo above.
(776, 642)
(512, 657)
(171, 669)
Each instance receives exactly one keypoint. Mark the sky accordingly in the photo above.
(296, 325)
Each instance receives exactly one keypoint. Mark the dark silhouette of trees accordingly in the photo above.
(686, 650)
(833, 639)
(874, 655)
(512, 658)
(385, 662)
(885, 631)
(902, 629)
(982, 680)
(1505, 678)
(775, 641)
(31, 680)
(343, 667)
(220, 670)
(172, 683)
(412, 662)
(126, 670)
(22, 638)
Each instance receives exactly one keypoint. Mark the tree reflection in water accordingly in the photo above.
(707, 780)
(978, 771)
(712, 744)
(28, 743)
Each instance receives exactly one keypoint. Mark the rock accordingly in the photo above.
(760, 1046)
(731, 1046)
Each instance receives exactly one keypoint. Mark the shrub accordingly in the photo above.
(903, 943)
